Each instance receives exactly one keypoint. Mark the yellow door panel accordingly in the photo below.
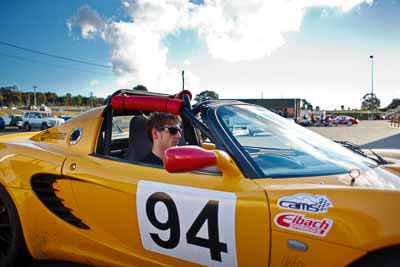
(299, 251)
(187, 219)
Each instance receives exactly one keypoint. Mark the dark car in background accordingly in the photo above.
(65, 117)
(16, 120)
(2, 123)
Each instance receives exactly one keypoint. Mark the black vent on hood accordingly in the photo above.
(42, 185)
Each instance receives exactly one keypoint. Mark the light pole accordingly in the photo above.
(372, 75)
(371, 116)
(34, 95)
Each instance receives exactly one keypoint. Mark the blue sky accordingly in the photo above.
(238, 49)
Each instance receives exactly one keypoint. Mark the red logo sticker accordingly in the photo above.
(299, 223)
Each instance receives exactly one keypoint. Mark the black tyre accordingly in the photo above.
(387, 257)
(27, 127)
(44, 126)
(13, 251)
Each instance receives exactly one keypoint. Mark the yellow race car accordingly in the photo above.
(245, 188)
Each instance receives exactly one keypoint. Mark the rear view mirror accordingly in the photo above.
(188, 158)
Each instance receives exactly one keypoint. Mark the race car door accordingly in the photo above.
(141, 215)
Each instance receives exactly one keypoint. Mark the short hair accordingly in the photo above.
(158, 120)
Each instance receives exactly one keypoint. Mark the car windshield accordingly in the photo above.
(281, 148)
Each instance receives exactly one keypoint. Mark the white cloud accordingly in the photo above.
(89, 21)
(94, 83)
(233, 30)
(245, 30)
(237, 30)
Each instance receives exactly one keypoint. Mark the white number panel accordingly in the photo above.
(197, 225)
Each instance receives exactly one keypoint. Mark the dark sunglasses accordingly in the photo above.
(171, 130)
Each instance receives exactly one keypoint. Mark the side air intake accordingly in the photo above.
(42, 185)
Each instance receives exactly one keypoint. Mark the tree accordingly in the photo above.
(206, 95)
(51, 98)
(306, 105)
(370, 102)
(41, 98)
(394, 104)
(342, 107)
(68, 99)
(16, 99)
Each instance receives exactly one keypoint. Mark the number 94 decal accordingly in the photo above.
(196, 225)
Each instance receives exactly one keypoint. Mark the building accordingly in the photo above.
(287, 107)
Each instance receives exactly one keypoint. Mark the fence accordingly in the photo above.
(392, 112)
(395, 122)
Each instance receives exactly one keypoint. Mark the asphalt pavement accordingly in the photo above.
(367, 134)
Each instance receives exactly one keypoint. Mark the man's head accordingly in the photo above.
(164, 130)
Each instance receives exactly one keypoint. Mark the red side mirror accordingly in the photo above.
(188, 158)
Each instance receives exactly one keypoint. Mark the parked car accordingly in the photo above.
(80, 192)
(16, 121)
(240, 129)
(13, 120)
(40, 120)
(347, 120)
(305, 122)
(2, 123)
(65, 117)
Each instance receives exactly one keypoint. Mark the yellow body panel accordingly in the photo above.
(363, 219)
(106, 201)
(318, 253)
(19, 161)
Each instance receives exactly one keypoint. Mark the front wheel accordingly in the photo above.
(387, 257)
(44, 126)
(27, 127)
(13, 251)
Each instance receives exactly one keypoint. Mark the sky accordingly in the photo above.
(318, 50)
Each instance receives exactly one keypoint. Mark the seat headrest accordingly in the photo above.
(139, 142)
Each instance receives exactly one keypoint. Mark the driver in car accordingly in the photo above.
(164, 130)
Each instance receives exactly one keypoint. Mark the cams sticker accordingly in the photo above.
(305, 202)
(299, 223)
(192, 224)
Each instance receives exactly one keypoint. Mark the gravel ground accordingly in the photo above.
(367, 134)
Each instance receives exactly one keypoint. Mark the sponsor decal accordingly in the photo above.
(305, 202)
(193, 224)
(54, 136)
(298, 222)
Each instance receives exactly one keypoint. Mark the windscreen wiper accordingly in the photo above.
(357, 149)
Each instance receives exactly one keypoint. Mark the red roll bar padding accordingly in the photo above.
(147, 103)
(186, 92)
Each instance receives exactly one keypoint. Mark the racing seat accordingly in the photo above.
(139, 142)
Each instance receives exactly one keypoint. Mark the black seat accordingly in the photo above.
(139, 142)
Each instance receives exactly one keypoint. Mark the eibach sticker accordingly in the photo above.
(300, 223)
(305, 202)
